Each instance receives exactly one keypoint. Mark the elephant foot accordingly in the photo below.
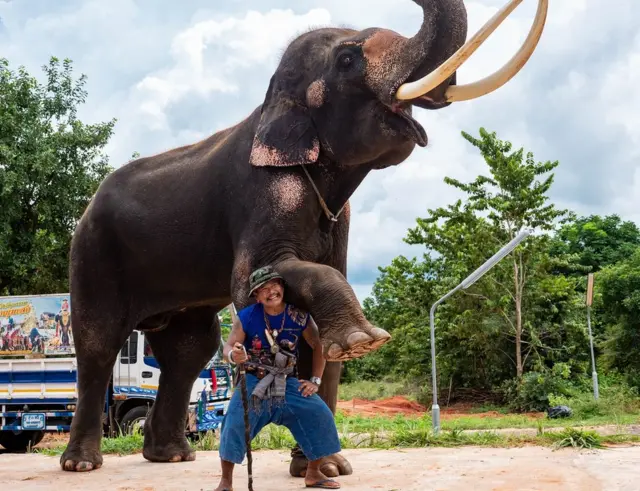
(358, 344)
(169, 453)
(332, 466)
(76, 459)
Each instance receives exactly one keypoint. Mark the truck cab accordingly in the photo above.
(38, 377)
(134, 386)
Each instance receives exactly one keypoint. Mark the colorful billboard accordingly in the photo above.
(36, 325)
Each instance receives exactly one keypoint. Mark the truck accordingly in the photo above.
(38, 377)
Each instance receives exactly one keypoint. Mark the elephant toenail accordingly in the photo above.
(335, 351)
(358, 338)
(380, 334)
(175, 458)
(330, 470)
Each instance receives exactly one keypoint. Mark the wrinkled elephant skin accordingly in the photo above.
(169, 240)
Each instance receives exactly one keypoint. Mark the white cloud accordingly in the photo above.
(617, 92)
(211, 56)
(173, 73)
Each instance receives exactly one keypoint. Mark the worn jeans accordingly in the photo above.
(309, 420)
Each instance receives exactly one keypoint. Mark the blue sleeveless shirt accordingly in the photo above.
(253, 325)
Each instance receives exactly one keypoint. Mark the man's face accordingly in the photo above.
(271, 294)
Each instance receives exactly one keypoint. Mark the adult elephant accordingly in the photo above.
(169, 240)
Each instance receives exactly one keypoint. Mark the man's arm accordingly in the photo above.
(312, 336)
(234, 343)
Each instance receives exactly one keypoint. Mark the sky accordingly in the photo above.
(173, 73)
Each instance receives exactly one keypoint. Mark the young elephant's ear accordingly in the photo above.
(285, 135)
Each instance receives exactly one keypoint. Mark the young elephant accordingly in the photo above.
(169, 240)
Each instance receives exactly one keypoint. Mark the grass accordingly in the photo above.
(279, 438)
(614, 408)
(571, 437)
(516, 421)
(617, 405)
(371, 391)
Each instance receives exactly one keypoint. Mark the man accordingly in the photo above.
(265, 337)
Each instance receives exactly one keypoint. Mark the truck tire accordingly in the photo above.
(133, 418)
(21, 440)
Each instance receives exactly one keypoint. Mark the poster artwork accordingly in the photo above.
(36, 325)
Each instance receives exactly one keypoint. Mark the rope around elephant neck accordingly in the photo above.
(327, 212)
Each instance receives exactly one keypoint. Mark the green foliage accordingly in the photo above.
(532, 392)
(370, 390)
(534, 297)
(576, 438)
(51, 163)
(225, 318)
(617, 300)
(616, 399)
(594, 242)
(520, 316)
(393, 434)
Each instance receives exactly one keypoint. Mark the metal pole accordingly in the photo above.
(466, 283)
(594, 374)
(435, 409)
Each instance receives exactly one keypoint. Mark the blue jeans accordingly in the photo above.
(309, 420)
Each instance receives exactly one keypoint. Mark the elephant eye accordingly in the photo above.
(345, 60)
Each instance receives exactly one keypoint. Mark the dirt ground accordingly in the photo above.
(401, 405)
(462, 469)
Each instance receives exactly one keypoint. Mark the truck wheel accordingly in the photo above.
(21, 440)
(133, 421)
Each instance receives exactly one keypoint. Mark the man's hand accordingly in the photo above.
(307, 388)
(238, 353)
(236, 338)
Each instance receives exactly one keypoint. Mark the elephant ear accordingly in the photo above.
(285, 135)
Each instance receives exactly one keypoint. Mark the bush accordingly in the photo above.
(531, 393)
(615, 398)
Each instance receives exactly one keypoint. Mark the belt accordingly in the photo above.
(272, 378)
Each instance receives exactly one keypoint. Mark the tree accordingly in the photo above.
(402, 294)
(51, 164)
(518, 332)
(595, 242)
(617, 297)
(496, 209)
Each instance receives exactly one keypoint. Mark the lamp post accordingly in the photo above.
(466, 283)
(594, 374)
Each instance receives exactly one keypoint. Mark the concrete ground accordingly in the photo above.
(459, 469)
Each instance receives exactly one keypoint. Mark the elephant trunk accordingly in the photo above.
(393, 60)
(433, 79)
(443, 31)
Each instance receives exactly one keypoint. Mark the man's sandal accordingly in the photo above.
(323, 484)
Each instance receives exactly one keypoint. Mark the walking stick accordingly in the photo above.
(245, 407)
(247, 428)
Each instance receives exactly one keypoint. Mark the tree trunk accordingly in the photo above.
(518, 297)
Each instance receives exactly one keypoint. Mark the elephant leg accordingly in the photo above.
(334, 465)
(324, 292)
(99, 334)
(182, 350)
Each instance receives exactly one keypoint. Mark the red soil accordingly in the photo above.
(383, 407)
(401, 405)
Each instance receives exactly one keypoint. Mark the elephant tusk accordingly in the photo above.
(456, 93)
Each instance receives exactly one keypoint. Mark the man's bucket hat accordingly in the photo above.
(261, 276)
